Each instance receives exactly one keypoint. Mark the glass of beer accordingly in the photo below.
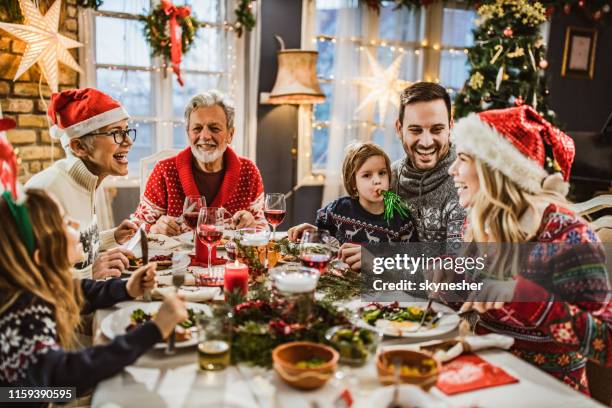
(214, 341)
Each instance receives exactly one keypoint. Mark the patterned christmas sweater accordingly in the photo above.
(575, 324)
(172, 179)
(348, 221)
(30, 355)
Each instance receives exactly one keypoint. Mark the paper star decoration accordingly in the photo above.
(384, 85)
(44, 45)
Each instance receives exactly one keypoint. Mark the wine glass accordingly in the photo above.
(191, 210)
(274, 210)
(210, 228)
(314, 249)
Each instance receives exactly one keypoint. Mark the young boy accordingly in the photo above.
(358, 218)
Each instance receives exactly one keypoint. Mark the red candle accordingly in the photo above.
(236, 276)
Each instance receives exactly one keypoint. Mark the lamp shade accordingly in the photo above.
(296, 79)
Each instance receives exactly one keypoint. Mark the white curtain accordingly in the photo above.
(345, 99)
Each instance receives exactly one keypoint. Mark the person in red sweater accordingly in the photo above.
(510, 173)
(208, 167)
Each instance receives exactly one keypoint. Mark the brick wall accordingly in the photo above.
(21, 99)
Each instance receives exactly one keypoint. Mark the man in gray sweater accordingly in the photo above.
(421, 178)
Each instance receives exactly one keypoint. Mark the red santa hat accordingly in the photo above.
(77, 112)
(521, 145)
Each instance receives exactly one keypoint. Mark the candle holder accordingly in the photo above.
(294, 287)
(251, 249)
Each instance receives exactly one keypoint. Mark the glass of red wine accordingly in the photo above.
(315, 251)
(191, 210)
(274, 210)
(210, 228)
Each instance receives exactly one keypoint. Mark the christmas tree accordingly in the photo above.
(508, 60)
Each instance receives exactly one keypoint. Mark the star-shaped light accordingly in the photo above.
(384, 85)
(44, 45)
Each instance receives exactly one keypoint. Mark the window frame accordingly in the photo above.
(429, 70)
(162, 117)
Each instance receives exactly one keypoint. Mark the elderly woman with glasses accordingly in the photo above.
(208, 167)
(93, 129)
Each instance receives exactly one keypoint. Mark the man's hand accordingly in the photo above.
(243, 219)
(141, 280)
(295, 233)
(172, 312)
(125, 231)
(166, 225)
(111, 263)
(350, 254)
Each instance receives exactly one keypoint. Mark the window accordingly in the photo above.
(430, 41)
(122, 66)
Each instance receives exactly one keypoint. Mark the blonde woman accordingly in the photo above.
(510, 174)
(40, 302)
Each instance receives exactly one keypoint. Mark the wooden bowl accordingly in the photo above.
(386, 375)
(286, 356)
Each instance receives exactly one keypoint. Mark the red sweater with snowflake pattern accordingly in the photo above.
(172, 179)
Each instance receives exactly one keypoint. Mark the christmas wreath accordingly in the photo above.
(170, 30)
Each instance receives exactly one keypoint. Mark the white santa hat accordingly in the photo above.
(77, 112)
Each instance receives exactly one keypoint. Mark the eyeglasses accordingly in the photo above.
(119, 135)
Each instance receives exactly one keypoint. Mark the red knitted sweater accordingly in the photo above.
(172, 179)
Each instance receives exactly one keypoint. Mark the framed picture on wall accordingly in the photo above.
(579, 52)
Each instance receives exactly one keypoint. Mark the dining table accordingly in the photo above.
(160, 380)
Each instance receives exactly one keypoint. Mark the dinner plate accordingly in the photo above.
(186, 238)
(180, 260)
(448, 322)
(115, 324)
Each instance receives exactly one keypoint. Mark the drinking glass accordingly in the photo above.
(211, 226)
(314, 250)
(214, 340)
(191, 210)
(252, 249)
(274, 210)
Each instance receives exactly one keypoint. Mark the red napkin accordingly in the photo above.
(469, 372)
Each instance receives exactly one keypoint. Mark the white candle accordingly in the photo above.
(254, 239)
(296, 282)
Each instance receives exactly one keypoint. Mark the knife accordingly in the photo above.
(144, 246)
(131, 244)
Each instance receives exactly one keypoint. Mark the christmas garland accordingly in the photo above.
(261, 325)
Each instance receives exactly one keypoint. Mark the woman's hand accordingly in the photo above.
(111, 263)
(125, 231)
(295, 233)
(166, 225)
(350, 254)
(172, 312)
(142, 279)
(495, 295)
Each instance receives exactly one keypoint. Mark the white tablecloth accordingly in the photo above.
(157, 380)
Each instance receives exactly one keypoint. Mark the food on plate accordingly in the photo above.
(414, 369)
(183, 330)
(134, 263)
(354, 344)
(400, 317)
(163, 261)
(310, 363)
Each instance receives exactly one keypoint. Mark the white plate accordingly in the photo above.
(186, 238)
(180, 260)
(448, 322)
(115, 323)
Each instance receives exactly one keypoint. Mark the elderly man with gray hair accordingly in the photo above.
(208, 167)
